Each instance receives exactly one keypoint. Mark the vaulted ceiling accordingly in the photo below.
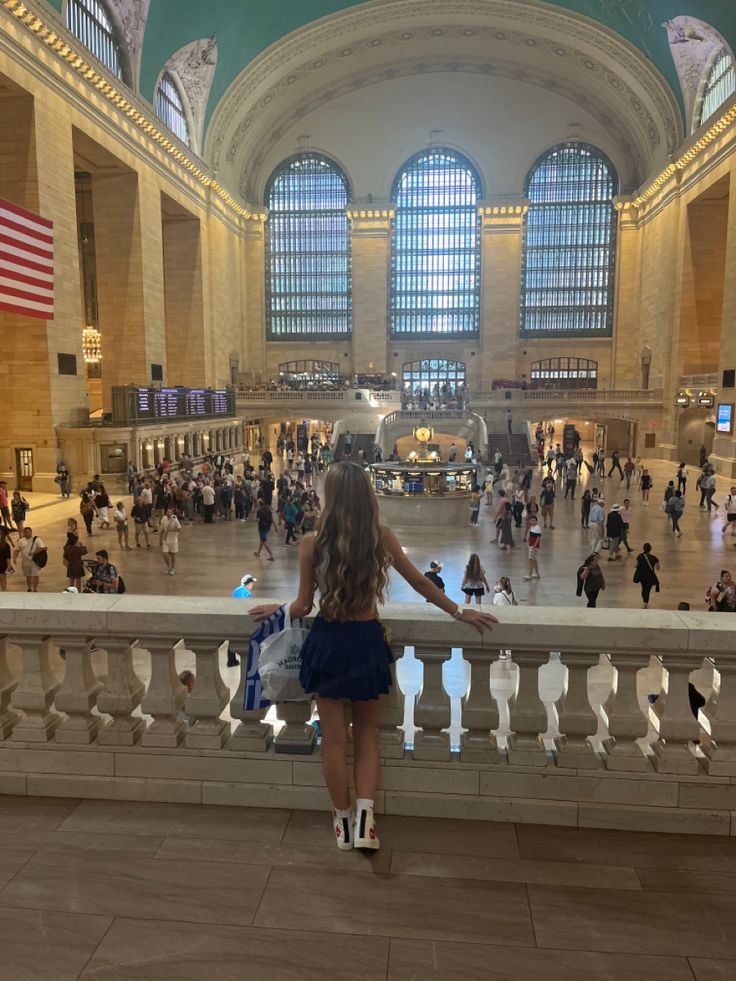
(622, 61)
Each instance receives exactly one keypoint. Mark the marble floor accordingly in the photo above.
(214, 557)
(115, 891)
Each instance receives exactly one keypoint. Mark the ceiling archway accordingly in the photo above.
(530, 42)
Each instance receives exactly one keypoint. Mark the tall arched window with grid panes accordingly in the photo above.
(435, 247)
(569, 250)
(170, 107)
(308, 259)
(719, 86)
(89, 20)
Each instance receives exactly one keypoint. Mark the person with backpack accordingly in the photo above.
(645, 574)
(730, 507)
(590, 579)
(721, 598)
(346, 656)
(674, 508)
(264, 517)
(105, 577)
(614, 531)
(33, 557)
(20, 507)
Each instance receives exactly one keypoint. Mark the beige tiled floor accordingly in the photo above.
(157, 892)
(214, 557)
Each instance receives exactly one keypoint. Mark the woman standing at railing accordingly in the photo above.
(347, 656)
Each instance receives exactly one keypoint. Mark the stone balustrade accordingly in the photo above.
(614, 396)
(545, 719)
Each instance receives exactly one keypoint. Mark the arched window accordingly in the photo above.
(307, 250)
(432, 378)
(310, 373)
(170, 107)
(564, 373)
(720, 85)
(435, 249)
(90, 22)
(569, 253)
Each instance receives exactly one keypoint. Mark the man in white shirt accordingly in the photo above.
(208, 502)
(169, 528)
(28, 548)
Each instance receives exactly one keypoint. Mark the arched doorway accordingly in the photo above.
(696, 428)
(433, 378)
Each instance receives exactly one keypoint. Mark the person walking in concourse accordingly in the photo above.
(592, 579)
(645, 574)
(346, 656)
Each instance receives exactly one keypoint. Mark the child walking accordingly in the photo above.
(346, 656)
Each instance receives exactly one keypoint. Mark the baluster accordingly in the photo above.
(528, 716)
(121, 695)
(391, 716)
(296, 736)
(720, 753)
(164, 697)
(78, 694)
(677, 725)
(34, 693)
(577, 720)
(8, 718)
(432, 708)
(626, 722)
(251, 735)
(203, 707)
(479, 712)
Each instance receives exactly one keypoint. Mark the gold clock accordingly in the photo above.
(423, 434)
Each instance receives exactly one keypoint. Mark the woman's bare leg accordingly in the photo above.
(334, 742)
(365, 738)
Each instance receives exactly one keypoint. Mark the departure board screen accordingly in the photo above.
(149, 403)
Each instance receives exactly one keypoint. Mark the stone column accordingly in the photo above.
(184, 300)
(626, 340)
(432, 707)
(527, 713)
(253, 277)
(577, 720)
(34, 693)
(127, 217)
(78, 693)
(626, 722)
(37, 167)
(121, 695)
(391, 716)
(720, 753)
(205, 704)
(370, 230)
(165, 696)
(724, 445)
(502, 221)
(8, 717)
(479, 712)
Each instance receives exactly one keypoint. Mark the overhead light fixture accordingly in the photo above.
(91, 345)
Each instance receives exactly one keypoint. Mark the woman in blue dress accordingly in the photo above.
(347, 655)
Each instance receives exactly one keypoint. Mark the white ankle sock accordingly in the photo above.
(343, 814)
(363, 804)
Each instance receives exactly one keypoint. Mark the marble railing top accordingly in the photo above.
(538, 628)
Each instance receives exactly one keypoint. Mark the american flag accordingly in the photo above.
(26, 262)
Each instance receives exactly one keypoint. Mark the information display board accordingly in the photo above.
(724, 417)
(132, 404)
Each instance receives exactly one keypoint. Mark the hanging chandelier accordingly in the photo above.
(91, 345)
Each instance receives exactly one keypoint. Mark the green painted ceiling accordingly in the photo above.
(244, 28)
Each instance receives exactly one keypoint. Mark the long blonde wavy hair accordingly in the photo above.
(350, 559)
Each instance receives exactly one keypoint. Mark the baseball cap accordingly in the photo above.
(70, 589)
(435, 565)
(246, 579)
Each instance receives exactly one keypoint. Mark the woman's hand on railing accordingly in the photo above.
(259, 613)
(481, 621)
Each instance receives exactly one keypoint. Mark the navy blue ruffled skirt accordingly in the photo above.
(346, 660)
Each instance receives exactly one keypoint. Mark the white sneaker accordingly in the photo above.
(365, 835)
(343, 828)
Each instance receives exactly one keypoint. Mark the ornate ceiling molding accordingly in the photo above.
(194, 66)
(694, 45)
(130, 18)
(516, 38)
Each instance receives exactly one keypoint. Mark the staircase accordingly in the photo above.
(364, 441)
(514, 447)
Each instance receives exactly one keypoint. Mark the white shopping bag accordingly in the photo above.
(279, 664)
